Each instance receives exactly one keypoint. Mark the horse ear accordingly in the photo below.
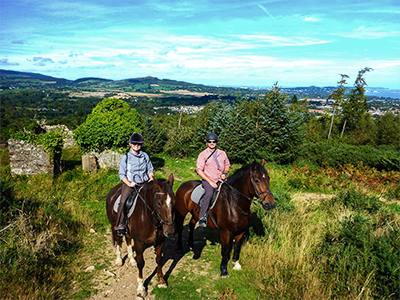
(171, 179)
(157, 184)
(263, 162)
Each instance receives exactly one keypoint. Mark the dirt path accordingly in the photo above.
(121, 282)
(117, 282)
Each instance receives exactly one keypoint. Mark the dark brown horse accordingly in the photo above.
(151, 221)
(231, 213)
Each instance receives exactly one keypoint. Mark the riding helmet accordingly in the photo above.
(212, 136)
(136, 138)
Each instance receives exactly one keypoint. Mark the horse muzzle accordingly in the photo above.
(168, 230)
(268, 206)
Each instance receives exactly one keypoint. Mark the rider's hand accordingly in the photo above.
(213, 184)
(223, 176)
(132, 184)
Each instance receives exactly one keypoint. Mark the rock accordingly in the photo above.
(89, 269)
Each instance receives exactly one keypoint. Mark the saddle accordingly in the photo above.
(130, 203)
(198, 192)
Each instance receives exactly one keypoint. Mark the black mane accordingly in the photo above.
(239, 174)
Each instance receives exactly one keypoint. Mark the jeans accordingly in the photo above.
(126, 191)
(205, 200)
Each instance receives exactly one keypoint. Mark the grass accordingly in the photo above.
(343, 246)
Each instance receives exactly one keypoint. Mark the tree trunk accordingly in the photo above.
(344, 126)
(330, 129)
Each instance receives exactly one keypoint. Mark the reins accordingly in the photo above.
(155, 213)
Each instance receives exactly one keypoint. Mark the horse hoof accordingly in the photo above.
(237, 266)
(224, 275)
(141, 294)
(162, 286)
(118, 262)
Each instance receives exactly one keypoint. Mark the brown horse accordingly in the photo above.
(152, 221)
(231, 213)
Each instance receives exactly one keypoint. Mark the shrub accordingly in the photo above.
(327, 154)
(362, 251)
(109, 126)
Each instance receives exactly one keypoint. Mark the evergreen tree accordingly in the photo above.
(389, 129)
(279, 132)
(155, 136)
(237, 138)
(337, 97)
(356, 104)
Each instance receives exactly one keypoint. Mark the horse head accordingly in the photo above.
(260, 181)
(164, 204)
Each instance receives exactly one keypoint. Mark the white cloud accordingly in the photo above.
(311, 19)
(363, 32)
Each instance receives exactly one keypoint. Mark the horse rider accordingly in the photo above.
(212, 166)
(135, 169)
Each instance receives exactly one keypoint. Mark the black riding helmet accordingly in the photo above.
(212, 136)
(136, 138)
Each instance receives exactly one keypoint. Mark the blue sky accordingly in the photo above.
(228, 43)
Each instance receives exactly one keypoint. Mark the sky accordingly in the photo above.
(219, 43)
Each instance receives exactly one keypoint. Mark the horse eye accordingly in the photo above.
(257, 181)
(158, 204)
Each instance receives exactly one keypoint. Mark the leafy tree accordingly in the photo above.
(337, 96)
(109, 126)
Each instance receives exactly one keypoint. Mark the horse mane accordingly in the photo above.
(238, 174)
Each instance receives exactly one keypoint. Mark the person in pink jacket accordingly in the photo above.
(212, 166)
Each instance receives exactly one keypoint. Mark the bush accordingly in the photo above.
(109, 126)
(362, 251)
(327, 154)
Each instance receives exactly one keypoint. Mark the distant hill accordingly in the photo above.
(15, 75)
(92, 79)
(14, 80)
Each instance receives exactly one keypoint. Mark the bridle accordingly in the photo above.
(259, 201)
(258, 194)
(160, 222)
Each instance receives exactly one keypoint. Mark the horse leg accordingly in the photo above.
(118, 242)
(192, 224)
(179, 228)
(130, 251)
(159, 260)
(225, 252)
(139, 249)
(236, 251)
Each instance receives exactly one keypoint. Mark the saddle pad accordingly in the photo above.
(197, 193)
(130, 212)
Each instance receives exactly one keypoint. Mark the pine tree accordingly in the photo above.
(337, 96)
(356, 104)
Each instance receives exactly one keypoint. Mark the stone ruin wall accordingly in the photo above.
(29, 159)
(106, 159)
(69, 141)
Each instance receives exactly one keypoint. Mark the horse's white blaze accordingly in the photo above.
(141, 291)
(130, 256)
(169, 201)
(118, 262)
(263, 175)
(237, 266)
